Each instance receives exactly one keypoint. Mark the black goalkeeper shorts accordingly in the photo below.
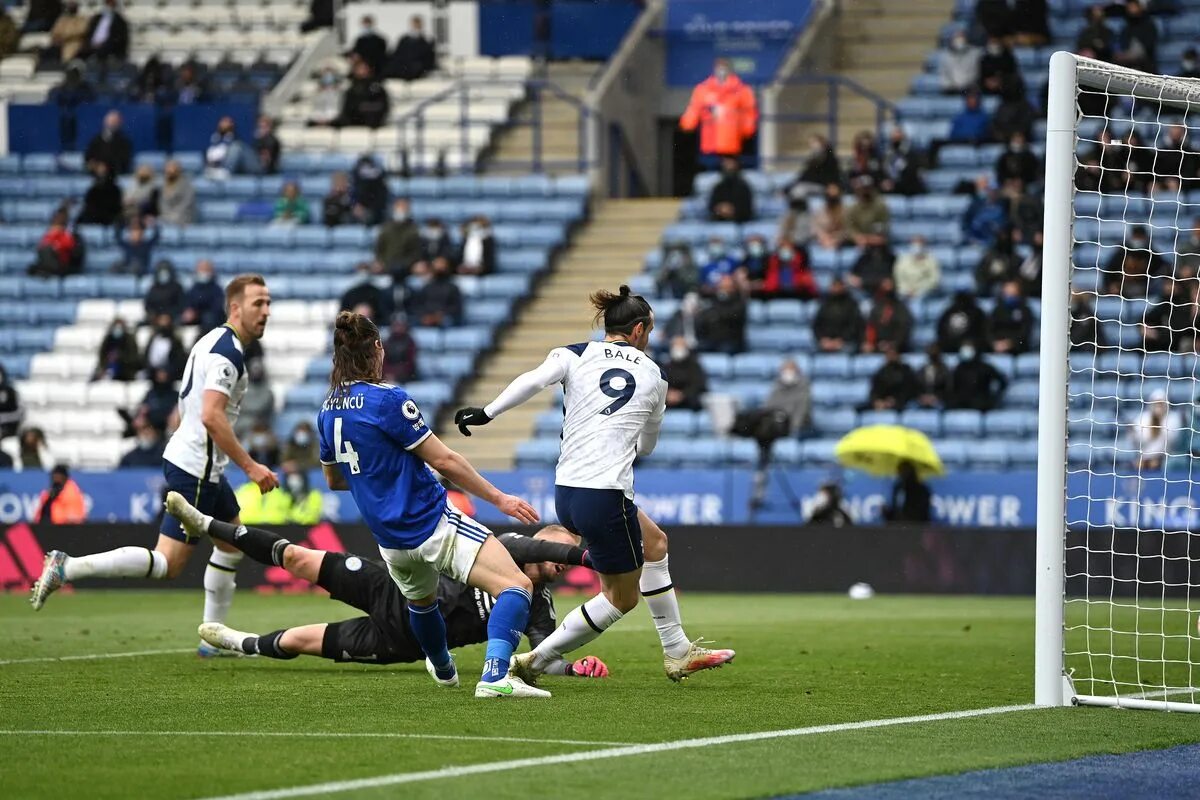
(381, 637)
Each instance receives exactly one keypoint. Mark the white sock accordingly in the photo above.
(220, 579)
(124, 562)
(659, 593)
(577, 629)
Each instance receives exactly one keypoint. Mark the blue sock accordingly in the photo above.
(430, 629)
(510, 615)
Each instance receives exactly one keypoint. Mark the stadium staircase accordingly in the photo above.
(560, 125)
(604, 253)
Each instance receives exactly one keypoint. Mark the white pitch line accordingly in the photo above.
(598, 755)
(317, 735)
(1155, 694)
(96, 656)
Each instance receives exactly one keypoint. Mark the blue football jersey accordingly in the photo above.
(369, 433)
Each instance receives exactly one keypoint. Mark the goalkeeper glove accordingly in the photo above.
(589, 667)
(466, 417)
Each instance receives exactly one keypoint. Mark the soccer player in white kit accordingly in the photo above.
(615, 399)
(214, 381)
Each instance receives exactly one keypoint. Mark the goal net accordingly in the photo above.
(1118, 507)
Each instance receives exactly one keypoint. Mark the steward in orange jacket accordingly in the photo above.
(725, 110)
(63, 500)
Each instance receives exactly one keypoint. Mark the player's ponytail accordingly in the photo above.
(354, 357)
(620, 312)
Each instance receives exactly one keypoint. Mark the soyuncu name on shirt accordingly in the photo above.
(344, 402)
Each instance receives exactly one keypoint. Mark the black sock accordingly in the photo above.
(266, 645)
(263, 546)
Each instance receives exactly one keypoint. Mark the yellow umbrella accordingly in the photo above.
(879, 449)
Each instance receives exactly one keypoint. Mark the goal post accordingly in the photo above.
(1115, 612)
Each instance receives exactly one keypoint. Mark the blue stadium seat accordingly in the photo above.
(831, 365)
(964, 423)
(1007, 423)
(925, 420)
(540, 452)
(834, 421)
(818, 451)
(679, 422)
(885, 417)
(756, 366)
(988, 454)
(717, 366)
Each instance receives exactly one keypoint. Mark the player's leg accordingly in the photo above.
(220, 576)
(681, 656)
(496, 573)
(286, 643)
(417, 579)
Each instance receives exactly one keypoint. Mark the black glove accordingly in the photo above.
(466, 417)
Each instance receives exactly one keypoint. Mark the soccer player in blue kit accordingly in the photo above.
(376, 444)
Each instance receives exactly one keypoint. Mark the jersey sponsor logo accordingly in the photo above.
(225, 376)
(410, 410)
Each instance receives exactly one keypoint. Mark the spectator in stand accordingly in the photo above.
(327, 102)
(686, 379)
(753, 270)
(258, 404)
(102, 202)
(1014, 114)
(838, 325)
(829, 223)
(1170, 324)
(9, 35)
(435, 241)
(1024, 211)
(1096, 36)
(1030, 23)
(59, 252)
(678, 274)
(141, 198)
(11, 411)
(987, 214)
(721, 323)
(372, 289)
(961, 323)
(1018, 162)
(264, 447)
(398, 243)
(933, 380)
(301, 446)
(107, 37)
(31, 451)
(972, 125)
(894, 384)
(1189, 66)
(366, 101)
(998, 265)
(165, 295)
(1086, 333)
(399, 352)
(1154, 435)
(958, 65)
(1129, 270)
(685, 321)
(63, 502)
(720, 264)
(118, 357)
(266, 146)
(67, 36)
(873, 266)
(41, 15)
(828, 508)
(110, 146)
(726, 112)
(137, 247)
(369, 186)
(791, 394)
(890, 322)
(226, 153)
(731, 199)
(414, 56)
(975, 384)
(438, 304)
(821, 166)
(911, 499)
(477, 256)
(290, 207)
(917, 271)
(902, 166)
(177, 198)
(338, 206)
(1011, 325)
(1137, 46)
(320, 15)
(1175, 164)
(864, 160)
(153, 84)
(998, 67)
(869, 221)
(189, 87)
(993, 18)
(788, 275)
(148, 452)
(164, 350)
(370, 46)
(1188, 254)
(204, 305)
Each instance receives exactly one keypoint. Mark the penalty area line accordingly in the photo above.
(97, 656)
(333, 787)
(319, 735)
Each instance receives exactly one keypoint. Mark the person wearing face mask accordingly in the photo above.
(721, 325)
(1014, 114)
(327, 102)
(337, 208)
(1017, 161)
(686, 320)
(1095, 36)
(258, 404)
(754, 264)
(686, 379)
(11, 411)
(677, 274)
(932, 379)
(962, 322)
(731, 199)
(1137, 44)
(997, 66)
(999, 263)
(301, 447)
(791, 394)
(137, 243)
(1010, 327)
(788, 275)
(829, 222)
(373, 289)
(821, 166)
(414, 56)
(894, 384)
(971, 125)
(370, 46)
(987, 214)
(118, 357)
(370, 190)
(204, 304)
(917, 271)
(225, 151)
(63, 503)
(158, 404)
(148, 452)
(838, 325)
(141, 198)
(435, 240)
(264, 447)
(725, 111)
(365, 102)
(974, 383)
(890, 322)
(266, 146)
(177, 197)
(719, 264)
(439, 303)
(67, 36)
(398, 244)
(958, 65)
(1130, 268)
(164, 350)
(477, 256)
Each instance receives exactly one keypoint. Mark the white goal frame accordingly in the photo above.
(1068, 72)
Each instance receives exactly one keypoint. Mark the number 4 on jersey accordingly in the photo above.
(343, 451)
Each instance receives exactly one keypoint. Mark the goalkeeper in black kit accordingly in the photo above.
(383, 635)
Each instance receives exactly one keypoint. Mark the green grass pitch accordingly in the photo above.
(803, 660)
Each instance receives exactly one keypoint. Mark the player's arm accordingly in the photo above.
(334, 478)
(434, 452)
(215, 421)
(523, 388)
(648, 438)
(527, 550)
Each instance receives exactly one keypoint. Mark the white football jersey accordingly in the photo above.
(216, 363)
(613, 393)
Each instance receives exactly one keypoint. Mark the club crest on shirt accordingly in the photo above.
(410, 410)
